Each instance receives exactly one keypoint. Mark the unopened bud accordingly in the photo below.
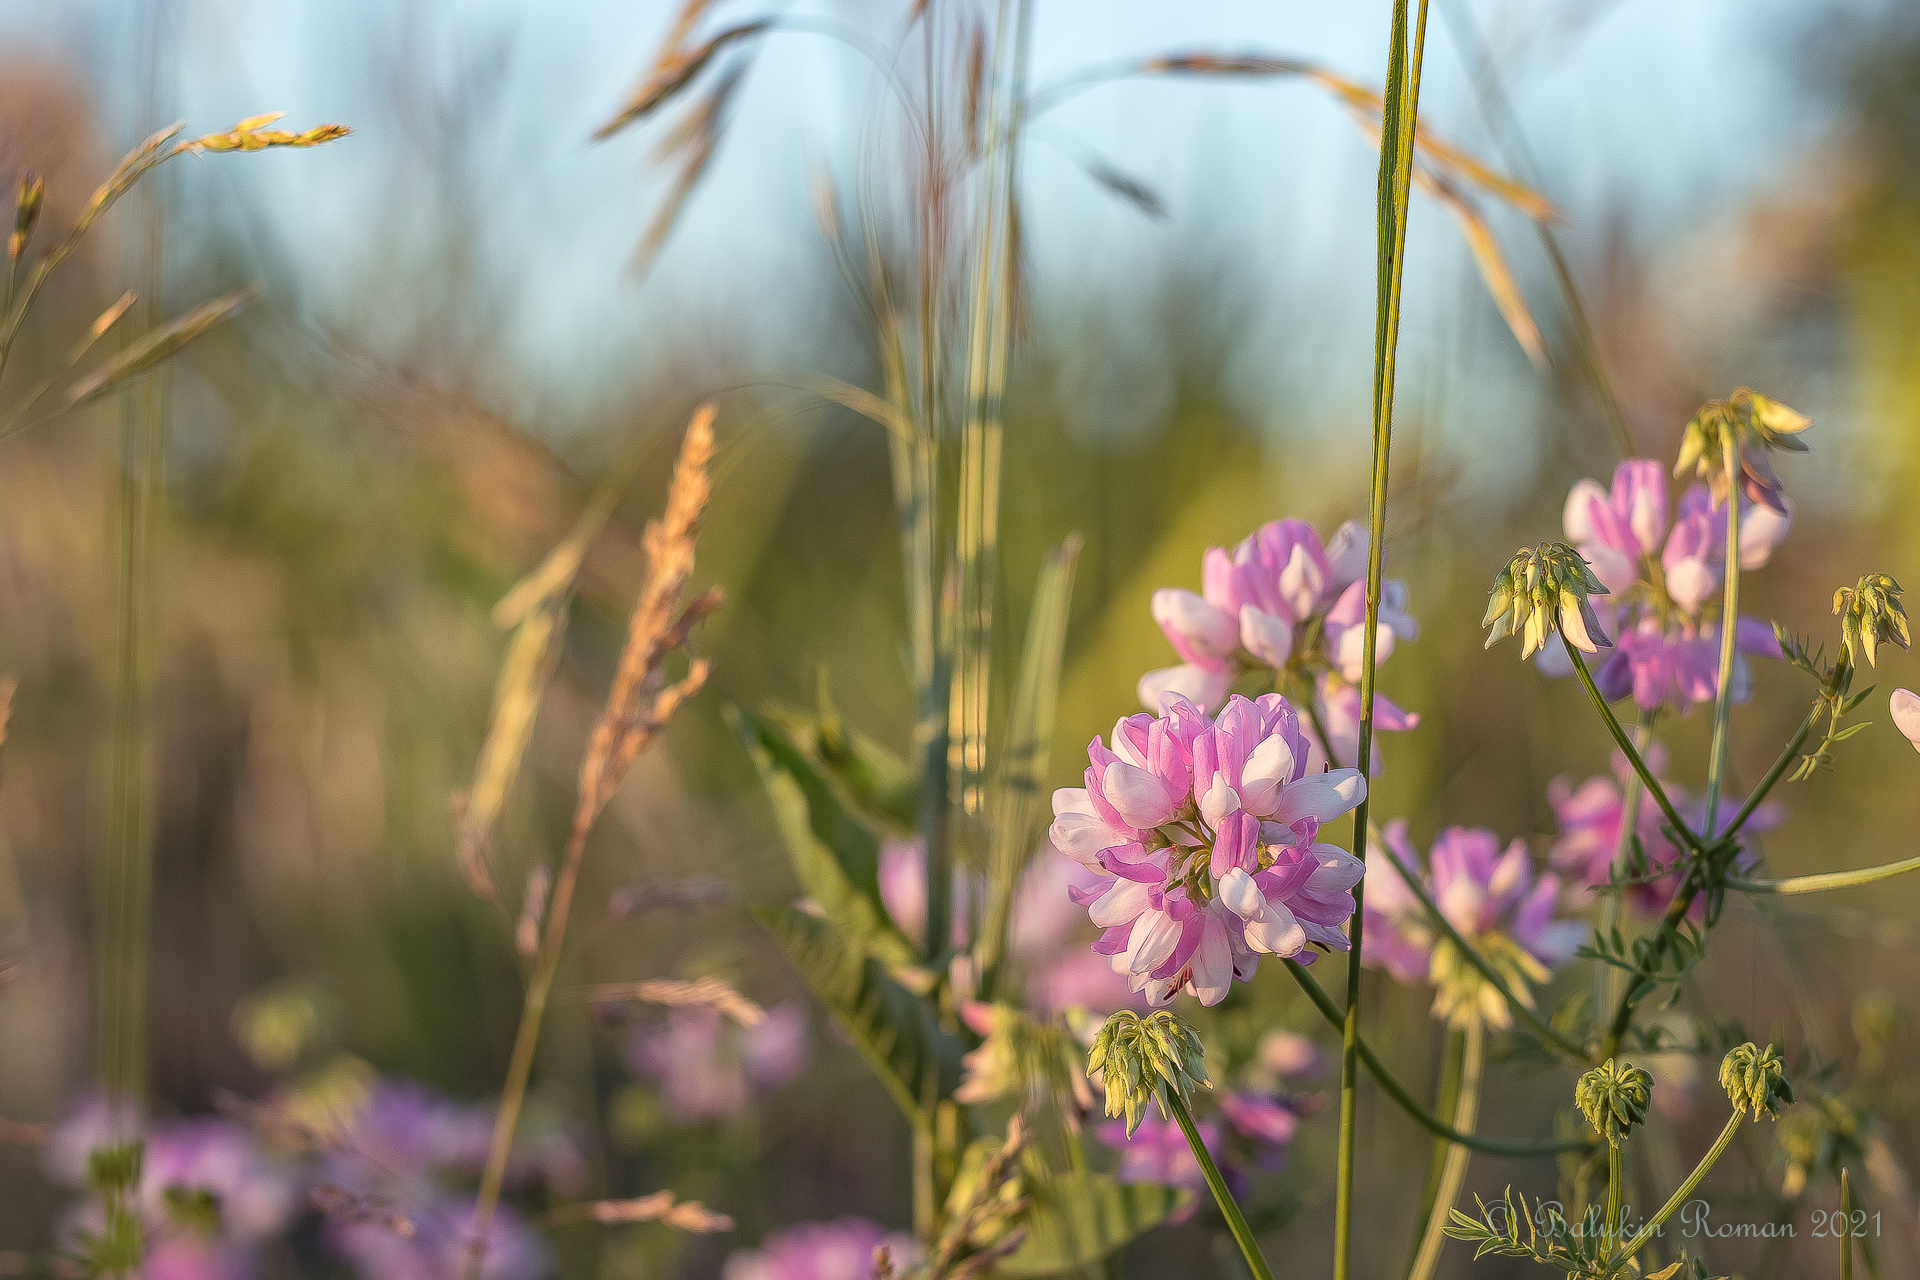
(1756, 1080)
(1543, 588)
(1614, 1096)
(1871, 614)
(1755, 426)
(1136, 1057)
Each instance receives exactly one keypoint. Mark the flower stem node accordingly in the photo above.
(1870, 615)
(1135, 1057)
(1614, 1097)
(1756, 1080)
(1541, 589)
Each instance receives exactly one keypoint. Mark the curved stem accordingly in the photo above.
(1610, 904)
(1623, 1013)
(1400, 112)
(1686, 1189)
(1634, 758)
(1729, 626)
(1466, 1110)
(1405, 1101)
(1827, 880)
(1236, 1221)
(1486, 969)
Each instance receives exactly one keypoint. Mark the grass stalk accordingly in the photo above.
(1466, 1111)
(1729, 627)
(1603, 975)
(1400, 111)
(1683, 1193)
(1446, 1099)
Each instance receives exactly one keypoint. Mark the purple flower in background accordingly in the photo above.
(1290, 1054)
(1262, 603)
(1204, 837)
(207, 1195)
(841, 1250)
(442, 1229)
(709, 1068)
(1662, 575)
(1492, 898)
(1590, 816)
(1904, 707)
(1158, 1152)
(903, 888)
(1264, 1121)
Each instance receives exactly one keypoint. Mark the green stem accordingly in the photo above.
(1623, 1013)
(1615, 1189)
(1487, 971)
(1846, 1217)
(1400, 113)
(1827, 880)
(1610, 904)
(1835, 682)
(1236, 1221)
(1634, 758)
(1729, 626)
(1445, 1102)
(1397, 1092)
(1679, 1197)
(1465, 1112)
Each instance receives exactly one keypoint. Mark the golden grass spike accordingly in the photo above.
(260, 121)
(637, 707)
(687, 1215)
(162, 344)
(714, 993)
(674, 72)
(697, 134)
(248, 135)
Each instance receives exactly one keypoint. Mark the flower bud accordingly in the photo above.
(1870, 614)
(1542, 588)
(1135, 1057)
(1614, 1097)
(1756, 1080)
(1756, 426)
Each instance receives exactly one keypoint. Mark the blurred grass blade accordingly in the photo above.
(1126, 187)
(892, 1028)
(863, 402)
(694, 138)
(1076, 1219)
(674, 71)
(1492, 263)
(835, 858)
(162, 344)
(529, 664)
(714, 993)
(1023, 760)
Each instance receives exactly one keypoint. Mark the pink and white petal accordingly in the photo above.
(1212, 967)
(1195, 628)
(1136, 795)
(1761, 530)
(1577, 518)
(1346, 555)
(1124, 903)
(1904, 707)
(1203, 687)
(1265, 636)
(1337, 871)
(1322, 797)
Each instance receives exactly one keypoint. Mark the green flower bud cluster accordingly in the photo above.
(1614, 1097)
(1135, 1057)
(1755, 425)
(115, 1169)
(1870, 615)
(1756, 1080)
(1542, 588)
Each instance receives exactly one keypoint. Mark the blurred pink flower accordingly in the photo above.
(1158, 1152)
(1904, 707)
(1277, 590)
(710, 1068)
(1179, 796)
(1666, 652)
(437, 1250)
(1590, 817)
(841, 1250)
(1288, 1053)
(903, 888)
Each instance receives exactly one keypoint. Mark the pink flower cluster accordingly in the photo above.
(1262, 605)
(709, 1068)
(1662, 574)
(841, 1250)
(1203, 833)
(1590, 816)
(1479, 889)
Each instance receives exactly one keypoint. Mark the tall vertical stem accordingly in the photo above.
(1401, 106)
(1729, 627)
(1236, 1221)
(1466, 1111)
(1616, 1190)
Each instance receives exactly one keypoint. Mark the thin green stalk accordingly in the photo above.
(1623, 1012)
(1846, 1216)
(1236, 1221)
(1603, 973)
(1729, 626)
(1685, 1190)
(1487, 971)
(1616, 1188)
(1826, 880)
(1397, 1092)
(1446, 1100)
(1466, 1111)
(1400, 110)
(1686, 833)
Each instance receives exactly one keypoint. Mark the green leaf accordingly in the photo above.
(1023, 762)
(835, 857)
(1079, 1218)
(893, 1029)
(878, 782)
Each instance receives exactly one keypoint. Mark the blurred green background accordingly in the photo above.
(450, 349)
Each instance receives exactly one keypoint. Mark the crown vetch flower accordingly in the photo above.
(1614, 1097)
(1281, 600)
(1662, 576)
(1496, 903)
(1756, 1080)
(1542, 590)
(1871, 615)
(841, 1250)
(1758, 426)
(1204, 834)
